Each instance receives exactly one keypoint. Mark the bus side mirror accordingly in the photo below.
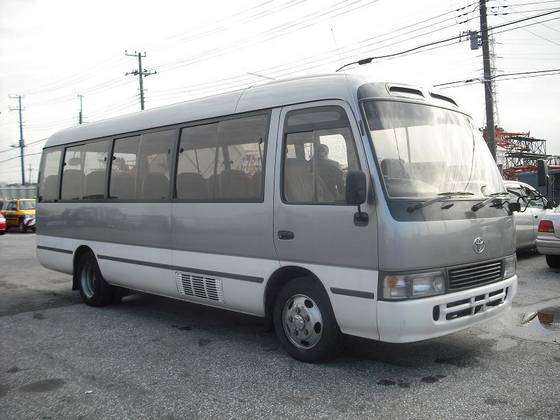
(542, 173)
(356, 188)
(356, 194)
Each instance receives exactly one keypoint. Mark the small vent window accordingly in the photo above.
(406, 92)
(443, 98)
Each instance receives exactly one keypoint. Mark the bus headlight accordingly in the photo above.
(510, 266)
(405, 286)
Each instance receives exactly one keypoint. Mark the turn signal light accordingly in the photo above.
(546, 226)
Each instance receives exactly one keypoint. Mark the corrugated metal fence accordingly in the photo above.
(9, 193)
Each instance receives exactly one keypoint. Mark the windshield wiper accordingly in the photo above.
(441, 197)
(491, 198)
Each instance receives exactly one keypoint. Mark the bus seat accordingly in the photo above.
(191, 185)
(256, 184)
(122, 186)
(72, 183)
(50, 187)
(298, 181)
(299, 185)
(231, 183)
(94, 184)
(155, 186)
(394, 168)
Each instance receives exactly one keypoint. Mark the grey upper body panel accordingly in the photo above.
(402, 244)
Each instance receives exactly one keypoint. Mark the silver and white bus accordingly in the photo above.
(327, 205)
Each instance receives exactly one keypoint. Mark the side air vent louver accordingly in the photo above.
(202, 287)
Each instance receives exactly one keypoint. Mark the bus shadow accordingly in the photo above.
(527, 254)
(460, 350)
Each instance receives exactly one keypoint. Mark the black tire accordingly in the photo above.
(21, 227)
(553, 261)
(329, 342)
(94, 290)
(3, 231)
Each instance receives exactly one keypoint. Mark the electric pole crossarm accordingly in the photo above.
(141, 73)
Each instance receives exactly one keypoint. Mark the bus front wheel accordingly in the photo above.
(94, 290)
(304, 321)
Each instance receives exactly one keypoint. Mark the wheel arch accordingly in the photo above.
(278, 279)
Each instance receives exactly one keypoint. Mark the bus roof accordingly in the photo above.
(269, 95)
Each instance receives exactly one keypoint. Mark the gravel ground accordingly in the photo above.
(156, 358)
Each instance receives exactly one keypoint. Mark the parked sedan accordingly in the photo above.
(533, 208)
(3, 225)
(548, 240)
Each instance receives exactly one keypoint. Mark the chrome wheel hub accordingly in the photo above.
(88, 280)
(302, 321)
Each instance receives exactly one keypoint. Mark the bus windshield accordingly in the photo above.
(426, 151)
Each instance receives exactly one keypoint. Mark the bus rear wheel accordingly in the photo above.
(94, 290)
(304, 321)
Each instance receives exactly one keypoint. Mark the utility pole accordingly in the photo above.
(141, 73)
(488, 79)
(30, 170)
(21, 143)
(80, 114)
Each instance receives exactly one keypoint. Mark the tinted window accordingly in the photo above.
(223, 161)
(197, 162)
(154, 165)
(140, 166)
(319, 151)
(83, 174)
(124, 168)
(48, 184)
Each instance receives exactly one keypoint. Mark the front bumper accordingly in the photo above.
(548, 246)
(421, 319)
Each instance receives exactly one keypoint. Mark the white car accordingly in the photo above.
(548, 240)
(533, 208)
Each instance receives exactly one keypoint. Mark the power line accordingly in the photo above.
(16, 157)
(313, 62)
(453, 38)
(498, 76)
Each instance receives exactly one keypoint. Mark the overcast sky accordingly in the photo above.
(53, 50)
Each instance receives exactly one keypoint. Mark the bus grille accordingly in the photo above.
(474, 275)
(195, 285)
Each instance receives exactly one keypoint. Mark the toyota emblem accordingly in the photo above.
(478, 245)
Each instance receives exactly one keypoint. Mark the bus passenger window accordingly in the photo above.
(319, 152)
(222, 161)
(83, 173)
(154, 165)
(124, 168)
(241, 141)
(197, 161)
(48, 183)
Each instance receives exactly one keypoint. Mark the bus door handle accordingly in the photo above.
(285, 234)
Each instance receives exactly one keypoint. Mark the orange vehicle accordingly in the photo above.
(20, 213)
